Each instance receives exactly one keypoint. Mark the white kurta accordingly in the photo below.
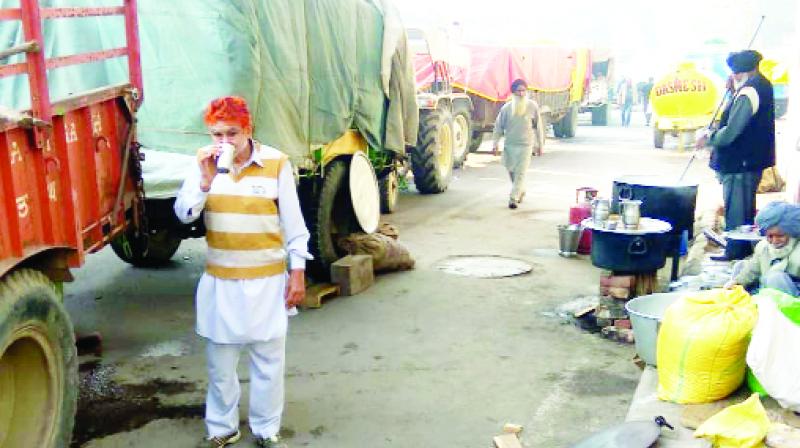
(247, 310)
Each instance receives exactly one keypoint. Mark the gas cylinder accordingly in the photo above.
(580, 211)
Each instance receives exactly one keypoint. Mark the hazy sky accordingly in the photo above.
(644, 34)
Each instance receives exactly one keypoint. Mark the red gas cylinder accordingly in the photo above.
(580, 211)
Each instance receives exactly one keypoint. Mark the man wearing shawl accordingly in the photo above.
(743, 145)
(519, 121)
(776, 259)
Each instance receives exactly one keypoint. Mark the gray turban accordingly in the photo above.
(781, 214)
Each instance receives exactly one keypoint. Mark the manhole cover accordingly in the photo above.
(484, 266)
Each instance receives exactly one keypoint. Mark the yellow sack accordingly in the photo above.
(702, 343)
(742, 425)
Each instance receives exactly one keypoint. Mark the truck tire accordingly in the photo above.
(475, 141)
(569, 124)
(600, 115)
(462, 135)
(153, 250)
(658, 138)
(329, 217)
(390, 192)
(38, 364)
(432, 159)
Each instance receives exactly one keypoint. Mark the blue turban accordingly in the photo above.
(781, 214)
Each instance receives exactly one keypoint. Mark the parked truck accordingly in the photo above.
(329, 82)
(70, 183)
(556, 78)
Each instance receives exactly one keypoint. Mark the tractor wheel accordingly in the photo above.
(462, 134)
(390, 192)
(658, 138)
(432, 159)
(600, 115)
(146, 251)
(38, 364)
(475, 141)
(568, 125)
(329, 216)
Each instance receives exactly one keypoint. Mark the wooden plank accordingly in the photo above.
(315, 294)
(507, 441)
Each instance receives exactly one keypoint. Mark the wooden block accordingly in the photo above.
(646, 283)
(353, 274)
(585, 311)
(315, 294)
(512, 428)
(508, 440)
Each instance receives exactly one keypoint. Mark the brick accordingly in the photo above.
(353, 274)
(618, 281)
(617, 293)
(625, 335)
(622, 323)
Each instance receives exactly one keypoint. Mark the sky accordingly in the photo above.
(646, 36)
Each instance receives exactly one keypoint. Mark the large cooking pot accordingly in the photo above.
(630, 251)
(662, 198)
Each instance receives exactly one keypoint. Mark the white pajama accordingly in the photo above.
(266, 387)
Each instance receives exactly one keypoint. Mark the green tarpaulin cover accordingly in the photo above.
(310, 69)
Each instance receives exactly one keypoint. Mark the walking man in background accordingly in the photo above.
(645, 92)
(626, 101)
(519, 121)
(243, 299)
(743, 145)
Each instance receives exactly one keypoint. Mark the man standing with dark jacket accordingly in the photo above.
(743, 145)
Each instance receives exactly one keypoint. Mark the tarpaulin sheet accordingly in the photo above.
(309, 69)
(493, 69)
(425, 74)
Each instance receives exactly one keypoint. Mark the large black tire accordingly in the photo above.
(329, 216)
(153, 250)
(38, 364)
(658, 137)
(462, 135)
(568, 125)
(390, 192)
(475, 141)
(600, 115)
(432, 159)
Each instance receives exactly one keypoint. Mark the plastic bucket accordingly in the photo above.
(568, 238)
(646, 313)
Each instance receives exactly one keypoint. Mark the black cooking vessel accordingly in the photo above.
(662, 198)
(630, 252)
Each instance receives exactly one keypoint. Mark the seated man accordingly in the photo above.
(775, 262)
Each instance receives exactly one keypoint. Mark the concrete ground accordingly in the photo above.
(423, 358)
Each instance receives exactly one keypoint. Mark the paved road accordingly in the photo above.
(423, 358)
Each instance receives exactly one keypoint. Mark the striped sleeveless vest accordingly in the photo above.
(241, 217)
